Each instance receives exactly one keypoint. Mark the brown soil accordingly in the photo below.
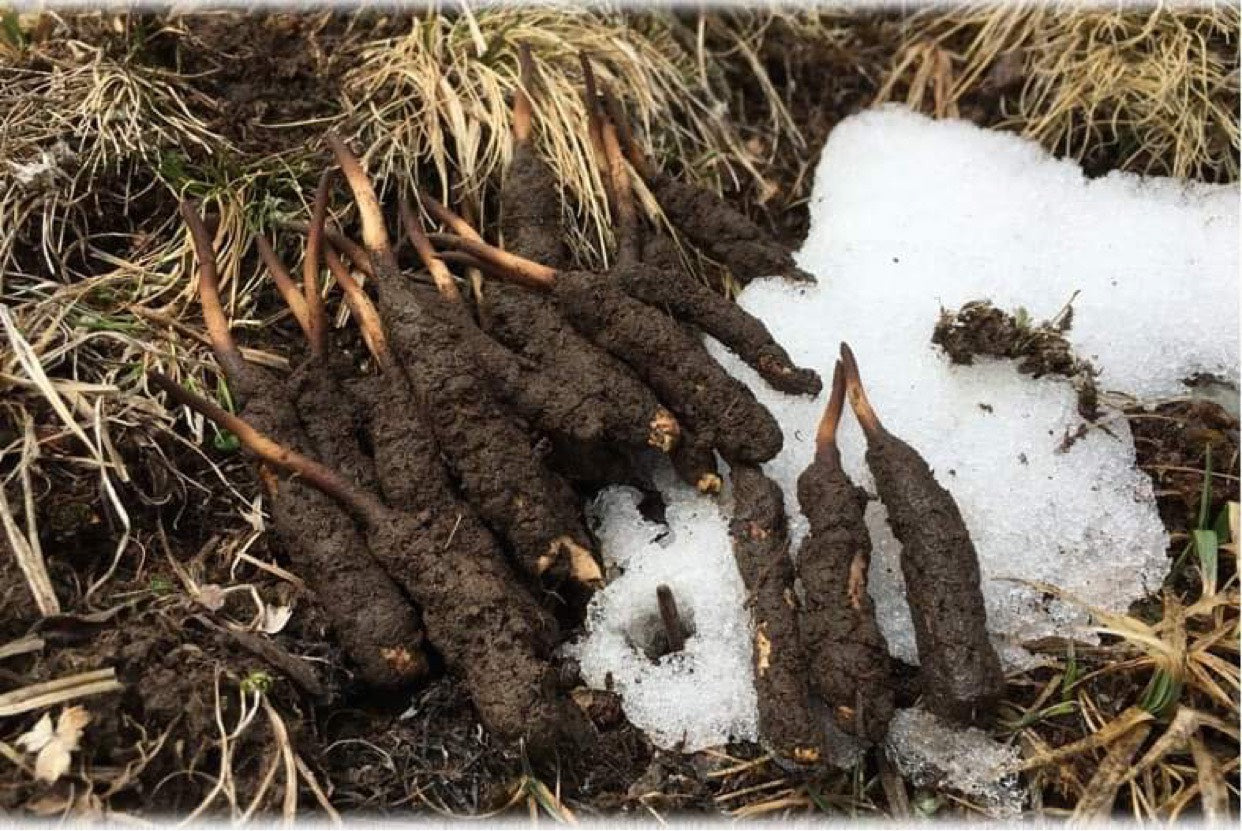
(962, 678)
(278, 73)
(706, 399)
(979, 328)
(1172, 442)
(848, 657)
(760, 533)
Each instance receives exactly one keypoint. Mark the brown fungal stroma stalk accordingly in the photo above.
(962, 677)
(376, 625)
(847, 655)
(761, 548)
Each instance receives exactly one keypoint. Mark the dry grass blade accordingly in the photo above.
(1157, 87)
(1214, 792)
(29, 557)
(21, 646)
(58, 691)
(1096, 802)
(1103, 737)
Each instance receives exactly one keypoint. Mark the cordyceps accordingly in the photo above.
(489, 631)
(714, 226)
(761, 548)
(848, 658)
(674, 289)
(606, 389)
(962, 677)
(440, 351)
(377, 626)
(670, 359)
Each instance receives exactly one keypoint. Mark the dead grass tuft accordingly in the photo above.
(434, 103)
(1147, 90)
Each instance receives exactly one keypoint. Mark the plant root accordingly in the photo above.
(962, 677)
(848, 657)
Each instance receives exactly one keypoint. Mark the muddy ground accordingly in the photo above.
(155, 747)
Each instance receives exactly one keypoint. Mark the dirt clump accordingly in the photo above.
(1173, 441)
(979, 328)
(847, 654)
(760, 534)
(962, 677)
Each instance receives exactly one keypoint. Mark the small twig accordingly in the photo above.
(670, 618)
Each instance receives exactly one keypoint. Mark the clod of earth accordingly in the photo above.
(760, 533)
(378, 628)
(962, 677)
(979, 328)
(848, 657)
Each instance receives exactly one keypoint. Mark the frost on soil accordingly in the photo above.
(910, 216)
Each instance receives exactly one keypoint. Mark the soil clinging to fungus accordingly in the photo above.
(847, 655)
(490, 632)
(962, 677)
(377, 626)
(760, 535)
(488, 452)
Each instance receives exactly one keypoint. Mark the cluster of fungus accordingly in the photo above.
(426, 519)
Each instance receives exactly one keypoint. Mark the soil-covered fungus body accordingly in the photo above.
(723, 233)
(489, 454)
(669, 359)
(489, 631)
(377, 626)
(847, 655)
(761, 548)
(962, 676)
